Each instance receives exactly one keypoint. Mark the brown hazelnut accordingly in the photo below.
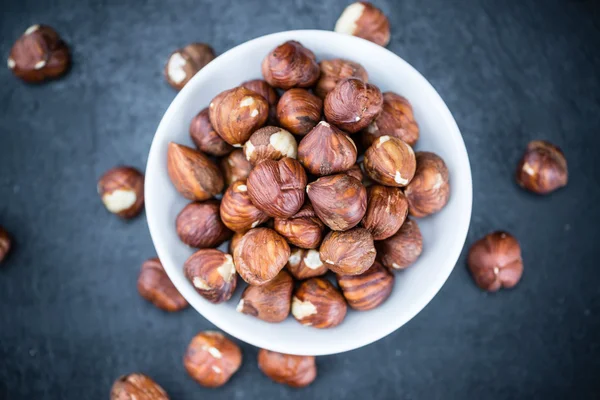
(305, 263)
(543, 168)
(277, 187)
(369, 289)
(235, 167)
(212, 273)
(366, 21)
(270, 302)
(303, 229)
(193, 174)
(390, 162)
(38, 55)
(265, 90)
(260, 255)
(402, 249)
(353, 104)
(205, 138)
(137, 387)
(155, 286)
(294, 371)
(236, 113)
(396, 119)
(340, 201)
(122, 191)
(184, 63)
(356, 172)
(290, 65)
(199, 225)
(387, 209)
(270, 143)
(319, 304)
(429, 190)
(348, 253)
(5, 244)
(235, 240)
(237, 211)
(211, 359)
(299, 111)
(495, 261)
(332, 71)
(326, 150)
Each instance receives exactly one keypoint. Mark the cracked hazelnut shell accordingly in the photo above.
(348, 253)
(206, 138)
(122, 191)
(396, 119)
(366, 21)
(543, 168)
(402, 249)
(5, 244)
(332, 71)
(287, 369)
(306, 263)
(260, 255)
(368, 290)
(211, 359)
(317, 303)
(237, 211)
(199, 225)
(353, 104)
(235, 167)
(387, 209)
(270, 143)
(299, 111)
(270, 302)
(326, 150)
(212, 274)
(137, 387)
(184, 63)
(303, 229)
(155, 286)
(269, 93)
(429, 191)
(390, 162)
(290, 65)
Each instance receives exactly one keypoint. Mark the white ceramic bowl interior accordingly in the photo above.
(444, 233)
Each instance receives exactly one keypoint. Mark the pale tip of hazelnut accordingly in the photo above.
(40, 64)
(329, 262)
(325, 124)
(302, 309)
(313, 260)
(242, 188)
(496, 270)
(249, 150)
(357, 118)
(238, 145)
(396, 266)
(213, 351)
(255, 224)
(119, 200)
(11, 63)
(247, 102)
(528, 169)
(227, 270)
(295, 257)
(175, 68)
(382, 140)
(284, 142)
(216, 369)
(32, 29)
(399, 179)
(254, 113)
(200, 284)
(240, 306)
(347, 21)
(211, 105)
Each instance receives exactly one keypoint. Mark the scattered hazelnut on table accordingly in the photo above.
(543, 168)
(429, 190)
(390, 162)
(348, 253)
(122, 191)
(5, 244)
(235, 240)
(402, 249)
(212, 274)
(38, 55)
(137, 387)
(290, 65)
(269, 302)
(319, 304)
(155, 286)
(369, 289)
(332, 71)
(211, 359)
(260, 255)
(364, 20)
(356, 172)
(265, 90)
(235, 167)
(237, 211)
(306, 263)
(353, 104)
(184, 63)
(387, 209)
(495, 261)
(199, 225)
(294, 371)
(193, 174)
(303, 229)
(299, 111)
(396, 119)
(270, 143)
(206, 138)
(326, 150)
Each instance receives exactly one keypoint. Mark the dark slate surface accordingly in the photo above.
(71, 320)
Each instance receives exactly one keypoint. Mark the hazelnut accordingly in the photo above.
(270, 143)
(137, 387)
(199, 225)
(193, 174)
(184, 63)
(236, 113)
(356, 172)
(369, 289)
(429, 191)
(387, 209)
(211, 359)
(348, 253)
(543, 168)
(260, 255)
(390, 162)
(303, 229)
(340, 201)
(38, 55)
(495, 261)
(304, 264)
(270, 302)
(319, 304)
(5, 244)
(277, 187)
(235, 167)
(212, 273)
(299, 111)
(402, 249)
(294, 371)
(235, 240)
(237, 211)
(332, 71)
(205, 138)
(155, 286)
(353, 104)
(396, 119)
(366, 21)
(290, 65)
(326, 150)
(265, 90)
(122, 191)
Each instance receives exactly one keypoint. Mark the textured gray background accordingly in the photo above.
(71, 320)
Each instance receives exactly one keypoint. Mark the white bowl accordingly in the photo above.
(444, 233)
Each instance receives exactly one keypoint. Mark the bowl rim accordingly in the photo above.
(371, 335)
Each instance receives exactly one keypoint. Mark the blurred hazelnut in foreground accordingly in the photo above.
(369, 289)
(348, 253)
(199, 225)
(270, 143)
(211, 359)
(137, 387)
(5, 244)
(260, 255)
(353, 104)
(206, 138)
(294, 371)
(364, 20)
(543, 168)
(265, 90)
(332, 71)
(326, 150)
(212, 274)
(237, 211)
(396, 119)
(290, 65)
(402, 249)
(269, 302)
(184, 63)
(305, 263)
(155, 286)
(390, 162)
(122, 191)
(319, 304)
(235, 167)
(303, 229)
(299, 111)
(429, 190)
